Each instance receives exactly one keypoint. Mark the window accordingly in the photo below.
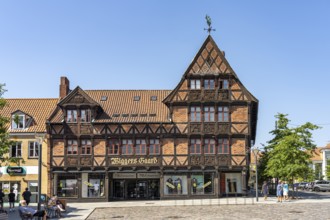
(140, 147)
(85, 115)
(86, 147)
(127, 147)
(154, 147)
(67, 185)
(72, 147)
(114, 147)
(136, 98)
(209, 84)
(195, 84)
(104, 98)
(209, 146)
(195, 146)
(153, 98)
(208, 114)
(71, 116)
(175, 185)
(224, 84)
(195, 114)
(18, 122)
(33, 149)
(95, 186)
(202, 183)
(223, 114)
(16, 150)
(223, 146)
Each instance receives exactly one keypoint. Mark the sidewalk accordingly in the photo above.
(80, 211)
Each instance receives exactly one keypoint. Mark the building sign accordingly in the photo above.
(148, 175)
(134, 161)
(124, 176)
(16, 170)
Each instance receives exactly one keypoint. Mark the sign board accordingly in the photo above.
(42, 198)
(134, 161)
(16, 171)
(148, 175)
(124, 176)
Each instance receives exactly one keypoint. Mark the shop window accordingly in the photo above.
(223, 146)
(233, 183)
(16, 150)
(202, 183)
(85, 115)
(67, 185)
(114, 147)
(175, 185)
(127, 147)
(140, 147)
(154, 148)
(209, 84)
(33, 149)
(6, 186)
(92, 185)
(195, 146)
(72, 147)
(223, 114)
(195, 114)
(71, 116)
(86, 147)
(208, 114)
(195, 84)
(18, 121)
(209, 146)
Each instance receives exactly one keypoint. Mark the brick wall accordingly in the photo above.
(239, 114)
(180, 114)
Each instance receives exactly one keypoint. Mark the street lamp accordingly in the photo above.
(255, 151)
(40, 138)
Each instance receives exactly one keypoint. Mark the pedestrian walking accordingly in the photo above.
(279, 192)
(27, 195)
(11, 199)
(265, 190)
(286, 191)
(2, 195)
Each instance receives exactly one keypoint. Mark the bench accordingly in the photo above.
(25, 216)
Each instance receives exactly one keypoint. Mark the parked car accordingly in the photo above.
(321, 185)
(302, 185)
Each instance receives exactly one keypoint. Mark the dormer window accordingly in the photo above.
(85, 115)
(18, 121)
(71, 116)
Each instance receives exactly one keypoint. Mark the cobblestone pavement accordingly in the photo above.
(285, 210)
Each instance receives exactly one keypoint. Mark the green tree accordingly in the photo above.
(288, 154)
(5, 142)
(328, 170)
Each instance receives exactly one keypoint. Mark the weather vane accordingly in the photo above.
(209, 22)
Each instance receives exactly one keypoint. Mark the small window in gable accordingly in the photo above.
(18, 121)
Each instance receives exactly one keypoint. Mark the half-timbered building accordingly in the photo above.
(189, 142)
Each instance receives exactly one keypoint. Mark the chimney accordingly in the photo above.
(64, 87)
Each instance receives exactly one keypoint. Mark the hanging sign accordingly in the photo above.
(15, 171)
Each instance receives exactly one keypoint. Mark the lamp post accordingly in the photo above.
(40, 138)
(255, 151)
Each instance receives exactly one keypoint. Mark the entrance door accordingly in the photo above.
(119, 189)
(33, 187)
(142, 189)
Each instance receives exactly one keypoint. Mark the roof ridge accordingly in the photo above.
(127, 89)
(31, 98)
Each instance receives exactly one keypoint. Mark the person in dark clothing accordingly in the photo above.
(2, 195)
(11, 198)
(27, 195)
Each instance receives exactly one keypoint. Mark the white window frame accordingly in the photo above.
(17, 144)
(14, 125)
(35, 146)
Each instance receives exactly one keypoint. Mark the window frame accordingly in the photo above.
(224, 84)
(127, 147)
(195, 115)
(140, 146)
(194, 146)
(209, 84)
(20, 122)
(85, 147)
(35, 149)
(223, 146)
(71, 114)
(72, 144)
(209, 143)
(114, 147)
(223, 112)
(154, 146)
(18, 146)
(86, 114)
(209, 114)
(195, 84)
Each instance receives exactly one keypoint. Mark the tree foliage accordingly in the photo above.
(287, 156)
(328, 170)
(5, 142)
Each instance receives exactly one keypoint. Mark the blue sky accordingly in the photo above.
(279, 49)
